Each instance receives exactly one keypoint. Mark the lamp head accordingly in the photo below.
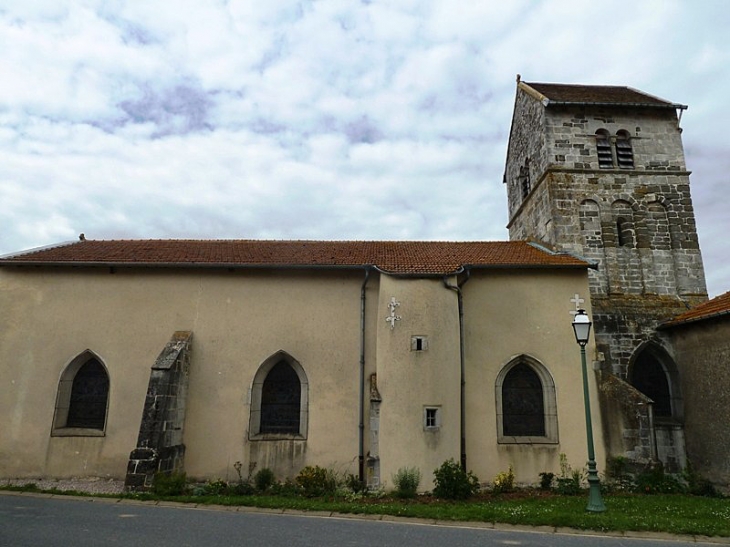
(581, 327)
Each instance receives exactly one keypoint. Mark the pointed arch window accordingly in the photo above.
(624, 151)
(603, 149)
(526, 404)
(279, 397)
(656, 376)
(281, 400)
(83, 398)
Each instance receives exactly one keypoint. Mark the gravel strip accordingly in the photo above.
(88, 485)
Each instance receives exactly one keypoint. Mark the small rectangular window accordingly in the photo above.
(431, 418)
(419, 343)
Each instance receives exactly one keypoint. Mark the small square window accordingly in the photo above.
(431, 418)
(419, 343)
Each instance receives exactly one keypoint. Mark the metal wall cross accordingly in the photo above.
(392, 318)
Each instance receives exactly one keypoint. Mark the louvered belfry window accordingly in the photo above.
(624, 152)
(603, 149)
(89, 393)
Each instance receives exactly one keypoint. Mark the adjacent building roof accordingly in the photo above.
(397, 257)
(566, 94)
(718, 306)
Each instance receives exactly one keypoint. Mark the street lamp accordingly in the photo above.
(582, 330)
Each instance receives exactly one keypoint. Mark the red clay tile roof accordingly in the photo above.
(398, 257)
(718, 306)
(598, 95)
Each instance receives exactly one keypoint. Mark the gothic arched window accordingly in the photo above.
(83, 396)
(523, 407)
(526, 404)
(279, 399)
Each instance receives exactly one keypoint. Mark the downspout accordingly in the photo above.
(462, 396)
(361, 452)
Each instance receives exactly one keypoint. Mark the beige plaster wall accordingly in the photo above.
(526, 312)
(410, 380)
(238, 320)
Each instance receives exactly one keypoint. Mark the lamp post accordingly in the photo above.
(582, 330)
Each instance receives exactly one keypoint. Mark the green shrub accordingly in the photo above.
(569, 481)
(452, 482)
(406, 482)
(546, 480)
(316, 481)
(617, 474)
(169, 484)
(504, 481)
(653, 480)
(264, 479)
(697, 485)
(216, 487)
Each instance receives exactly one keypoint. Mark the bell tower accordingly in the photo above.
(599, 171)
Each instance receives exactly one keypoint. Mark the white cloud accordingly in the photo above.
(321, 119)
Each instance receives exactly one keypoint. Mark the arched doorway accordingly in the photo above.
(654, 373)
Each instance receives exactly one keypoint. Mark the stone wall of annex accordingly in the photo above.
(702, 350)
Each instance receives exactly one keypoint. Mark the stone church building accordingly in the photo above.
(121, 358)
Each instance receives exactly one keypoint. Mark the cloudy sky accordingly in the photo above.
(323, 119)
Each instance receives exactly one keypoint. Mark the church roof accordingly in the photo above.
(718, 306)
(606, 95)
(397, 257)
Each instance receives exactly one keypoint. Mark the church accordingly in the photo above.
(122, 358)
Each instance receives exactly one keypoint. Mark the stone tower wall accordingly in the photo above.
(636, 223)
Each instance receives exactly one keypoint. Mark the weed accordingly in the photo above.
(169, 484)
(504, 481)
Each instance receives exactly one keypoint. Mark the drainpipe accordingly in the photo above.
(462, 403)
(361, 452)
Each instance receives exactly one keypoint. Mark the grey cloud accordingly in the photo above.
(176, 110)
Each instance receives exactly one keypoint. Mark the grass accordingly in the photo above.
(669, 513)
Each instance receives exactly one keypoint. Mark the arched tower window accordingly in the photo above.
(83, 396)
(603, 149)
(279, 399)
(526, 406)
(624, 232)
(624, 152)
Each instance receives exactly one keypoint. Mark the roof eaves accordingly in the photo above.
(194, 265)
(37, 249)
(681, 322)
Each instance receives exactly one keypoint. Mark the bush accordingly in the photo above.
(452, 482)
(618, 475)
(217, 487)
(546, 480)
(653, 480)
(169, 484)
(264, 479)
(569, 479)
(504, 481)
(406, 481)
(697, 485)
(316, 481)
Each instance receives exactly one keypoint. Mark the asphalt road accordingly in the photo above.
(37, 521)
